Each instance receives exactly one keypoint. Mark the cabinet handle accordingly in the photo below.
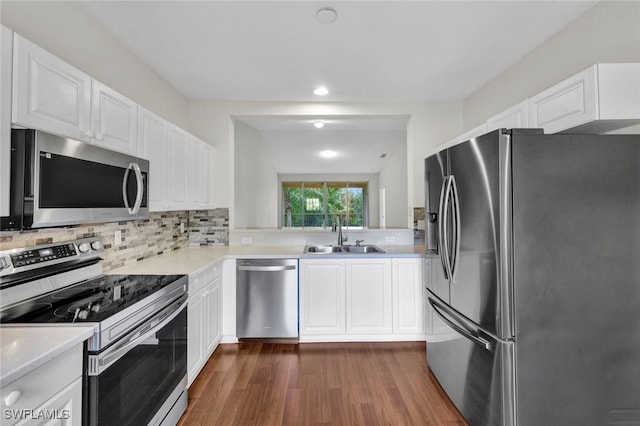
(11, 399)
(90, 134)
(99, 136)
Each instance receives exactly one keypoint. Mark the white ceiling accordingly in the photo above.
(374, 51)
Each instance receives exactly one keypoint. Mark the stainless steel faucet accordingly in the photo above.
(337, 225)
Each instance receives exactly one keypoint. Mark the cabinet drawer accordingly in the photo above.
(213, 272)
(41, 384)
(197, 282)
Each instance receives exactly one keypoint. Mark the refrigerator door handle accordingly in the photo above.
(456, 232)
(444, 231)
(461, 325)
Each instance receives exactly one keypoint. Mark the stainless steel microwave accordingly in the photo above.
(57, 181)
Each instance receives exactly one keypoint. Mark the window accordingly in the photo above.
(316, 204)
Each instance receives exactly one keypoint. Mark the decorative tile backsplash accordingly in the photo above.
(209, 227)
(141, 239)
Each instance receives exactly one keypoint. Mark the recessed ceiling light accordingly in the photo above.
(321, 91)
(326, 15)
(328, 154)
(318, 124)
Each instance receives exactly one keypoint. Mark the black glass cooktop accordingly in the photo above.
(88, 301)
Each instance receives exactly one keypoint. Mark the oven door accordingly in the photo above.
(141, 378)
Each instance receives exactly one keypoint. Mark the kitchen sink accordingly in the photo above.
(362, 249)
(344, 249)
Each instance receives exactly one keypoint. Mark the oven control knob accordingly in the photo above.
(3, 263)
(83, 247)
(97, 245)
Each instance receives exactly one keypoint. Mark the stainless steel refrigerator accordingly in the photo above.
(533, 277)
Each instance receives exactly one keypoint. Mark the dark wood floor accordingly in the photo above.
(318, 383)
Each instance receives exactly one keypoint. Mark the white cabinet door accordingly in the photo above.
(515, 117)
(369, 296)
(195, 334)
(153, 144)
(206, 183)
(567, 104)
(49, 94)
(67, 405)
(408, 296)
(601, 98)
(6, 61)
(178, 168)
(55, 385)
(114, 120)
(322, 296)
(213, 331)
(195, 171)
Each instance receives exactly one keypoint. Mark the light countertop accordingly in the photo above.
(194, 258)
(23, 349)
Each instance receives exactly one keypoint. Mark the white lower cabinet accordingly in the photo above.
(408, 296)
(322, 297)
(203, 318)
(51, 394)
(369, 296)
(358, 299)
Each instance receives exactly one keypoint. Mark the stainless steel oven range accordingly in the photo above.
(136, 361)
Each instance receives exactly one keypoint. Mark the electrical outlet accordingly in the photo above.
(247, 240)
(117, 237)
(390, 239)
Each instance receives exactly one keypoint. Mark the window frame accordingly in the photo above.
(327, 221)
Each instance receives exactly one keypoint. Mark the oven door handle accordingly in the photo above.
(99, 363)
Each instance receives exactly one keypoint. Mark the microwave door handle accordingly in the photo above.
(459, 325)
(140, 190)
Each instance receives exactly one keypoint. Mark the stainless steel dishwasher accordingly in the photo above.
(267, 298)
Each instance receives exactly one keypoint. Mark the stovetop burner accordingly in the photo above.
(89, 301)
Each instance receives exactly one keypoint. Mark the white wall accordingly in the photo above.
(70, 33)
(372, 180)
(256, 181)
(608, 32)
(430, 124)
(394, 179)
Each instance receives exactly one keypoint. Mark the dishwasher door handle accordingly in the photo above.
(267, 268)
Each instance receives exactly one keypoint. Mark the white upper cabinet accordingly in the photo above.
(195, 172)
(178, 168)
(601, 98)
(48, 93)
(51, 95)
(153, 144)
(206, 183)
(114, 120)
(6, 49)
(515, 117)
